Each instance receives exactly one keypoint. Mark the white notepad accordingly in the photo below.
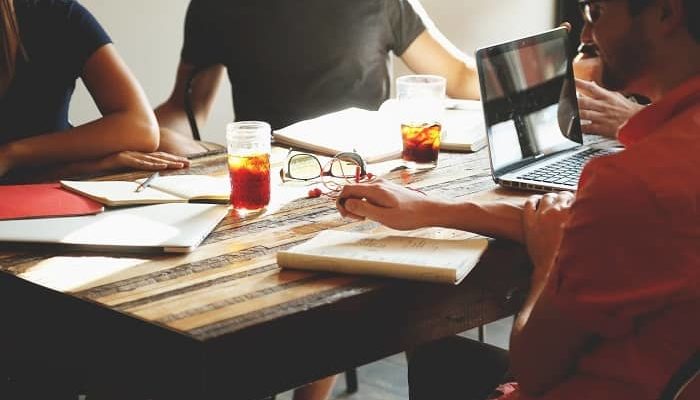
(352, 129)
(170, 228)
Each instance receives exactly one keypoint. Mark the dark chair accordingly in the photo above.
(188, 105)
(211, 147)
(680, 384)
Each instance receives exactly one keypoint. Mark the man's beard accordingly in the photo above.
(610, 78)
(627, 64)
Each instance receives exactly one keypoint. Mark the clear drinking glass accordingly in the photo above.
(421, 104)
(248, 144)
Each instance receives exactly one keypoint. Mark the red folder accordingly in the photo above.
(43, 200)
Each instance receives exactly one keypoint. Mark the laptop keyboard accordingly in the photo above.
(565, 171)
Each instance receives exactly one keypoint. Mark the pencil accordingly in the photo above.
(147, 182)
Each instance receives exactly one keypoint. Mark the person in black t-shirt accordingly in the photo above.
(292, 60)
(45, 46)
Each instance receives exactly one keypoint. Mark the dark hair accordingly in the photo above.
(636, 6)
(692, 22)
(692, 12)
(10, 43)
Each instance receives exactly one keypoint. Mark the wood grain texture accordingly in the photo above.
(243, 327)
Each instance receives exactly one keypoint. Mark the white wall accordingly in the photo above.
(148, 35)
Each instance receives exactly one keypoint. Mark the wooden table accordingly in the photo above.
(224, 321)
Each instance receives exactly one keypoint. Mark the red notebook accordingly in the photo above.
(43, 200)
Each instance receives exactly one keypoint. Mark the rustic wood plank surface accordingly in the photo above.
(224, 321)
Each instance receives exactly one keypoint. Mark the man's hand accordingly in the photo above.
(394, 206)
(605, 110)
(177, 143)
(544, 217)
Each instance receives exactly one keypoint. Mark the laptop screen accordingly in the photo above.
(529, 99)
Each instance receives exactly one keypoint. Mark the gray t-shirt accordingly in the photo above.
(290, 60)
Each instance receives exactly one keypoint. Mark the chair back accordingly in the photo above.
(685, 381)
(188, 105)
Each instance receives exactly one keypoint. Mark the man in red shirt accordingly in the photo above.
(614, 305)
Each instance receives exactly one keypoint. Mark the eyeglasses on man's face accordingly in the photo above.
(305, 166)
(590, 9)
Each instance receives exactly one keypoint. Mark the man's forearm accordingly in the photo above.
(175, 133)
(173, 118)
(494, 219)
(464, 83)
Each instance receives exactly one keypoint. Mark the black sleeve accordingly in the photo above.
(405, 24)
(199, 47)
(85, 34)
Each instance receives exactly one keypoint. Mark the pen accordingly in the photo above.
(147, 182)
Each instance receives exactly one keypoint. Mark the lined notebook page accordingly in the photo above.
(388, 255)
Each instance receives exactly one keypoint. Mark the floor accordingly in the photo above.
(386, 379)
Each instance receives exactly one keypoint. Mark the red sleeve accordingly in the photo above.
(618, 258)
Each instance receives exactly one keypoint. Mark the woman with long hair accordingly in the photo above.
(45, 46)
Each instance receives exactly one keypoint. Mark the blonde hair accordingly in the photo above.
(10, 43)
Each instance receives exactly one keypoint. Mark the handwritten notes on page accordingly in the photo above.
(407, 257)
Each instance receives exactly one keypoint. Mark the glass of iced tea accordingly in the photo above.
(421, 102)
(248, 145)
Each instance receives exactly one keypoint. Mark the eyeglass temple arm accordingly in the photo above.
(188, 104)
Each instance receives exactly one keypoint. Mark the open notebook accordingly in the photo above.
(463, 126)
(396, 256)
(163, 189)
(176, 228)
(352, 129)
(376, 135)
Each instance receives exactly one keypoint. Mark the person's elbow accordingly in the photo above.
(464, 83)
(143, 132)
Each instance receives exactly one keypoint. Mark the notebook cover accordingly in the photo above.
(43, 200)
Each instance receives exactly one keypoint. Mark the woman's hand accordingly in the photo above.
(605, 110)
(389, 204)
(143, 161)
(124, 160)
(544, 217)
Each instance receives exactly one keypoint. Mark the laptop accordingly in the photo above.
(533, 129)
(162, 228)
